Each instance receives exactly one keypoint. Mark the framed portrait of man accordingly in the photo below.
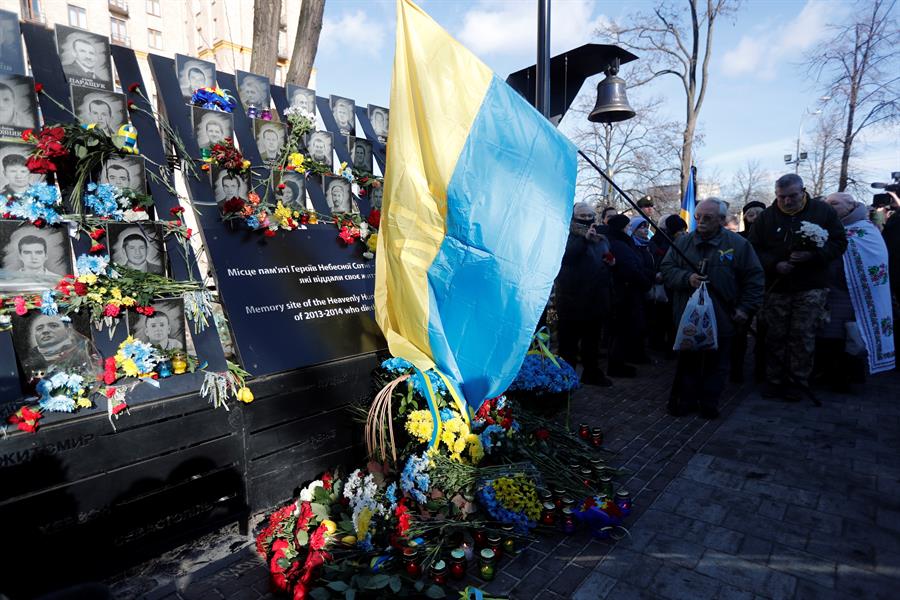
(137, 246)
(376, 195)
(253, 89)
(18, 105)
(106, 110)
(378, 117)
(14, 174)
(360, 154)
(294, 193)
(342, 111)
(270, 138)
(125, 172)
(85, 57)
(338, 195)
(34, 258)
(12, 59)
(43, 343)
(301, 97)
(164, 328)
(228, 185)
(194, 74)
(211, 126)
(320, 147)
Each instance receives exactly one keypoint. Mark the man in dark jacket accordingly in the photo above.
(736, 288)
(796, 282)
(583, 295)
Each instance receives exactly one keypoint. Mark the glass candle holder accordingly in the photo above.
(179, 362)
(598, 465)
(458, 563)
(587, 476)
(252, 111)
(205, 153)
(567, 521)
(164, 368)
(487, 569)
(596, 437)
(411, 562)
(606, 485)
(480, 538)
(623, 501)
(509, 540)
(545, 496)
(584, 432)
(495, 543)
(266, 114)
(439, 572)
(547, 516)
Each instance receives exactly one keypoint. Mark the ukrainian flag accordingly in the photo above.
(479, 189)
(689, 202)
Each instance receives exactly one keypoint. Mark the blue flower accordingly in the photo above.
(414, 479)
(105, 200)
(93, 265)
(48, 304)
(390, 494)
(252, 222)
(538, 373)
(396, 365)
(38, 201)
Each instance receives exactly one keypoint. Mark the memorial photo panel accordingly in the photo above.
(106, 110)
(211, 126)
(320, 147)
(14, 174)
(343, 111)
(33, 258)
(18, 105)
(194, 74)
(253, 90)
(360, 154)
(12, 59)
(137, 246)
(228, 185)
(379, 118)
(294, 193)
(125, 172)
(44, 342)
(165, 328)
(270, 138)
(301, 97)
(339, 195)
(85, 57)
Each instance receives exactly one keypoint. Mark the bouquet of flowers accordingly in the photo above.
(811, 236)
(39, 204)
(214, 98)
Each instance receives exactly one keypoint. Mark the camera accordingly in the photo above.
(885, 199)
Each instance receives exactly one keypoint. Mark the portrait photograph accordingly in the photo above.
(294, 193)
(125, 172)
(211, 126)
(360, 154)
(253, 90)
(85, 57)
(338, 195)
(44, 343)
(301, 97)
(164, 328)
(378, 117)
(270, 137)
(137, 246)
(18, 105)
(12, 59)
(106, 110)
(342, 111)
(227, 185)
(34, 258)
(14, 175)
(194, 74)
(376, 194)
(320, 146)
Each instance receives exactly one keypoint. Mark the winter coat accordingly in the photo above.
(775, 234)
(633, 272)
(736, 279)
(584, 280)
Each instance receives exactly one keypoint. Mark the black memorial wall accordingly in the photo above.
(83, 500)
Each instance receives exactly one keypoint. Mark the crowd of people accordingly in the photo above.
(805, 283)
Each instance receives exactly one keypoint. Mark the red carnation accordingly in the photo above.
(28, 134)
(81, 288)
(235, 205)
(119, 408)
(145, 310)
(134, 87)
(317, 540)
(98, 247)
(111, 310)
(38, 88)
(269, 233)
(188, 233)
(38, 222)
(40, 165)
(131, 105)
(97, 234)
(374, 218)
(542, 434)
(281, 186)
(175, 211)
(327, 480)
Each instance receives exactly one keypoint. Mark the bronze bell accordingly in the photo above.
(612, 103)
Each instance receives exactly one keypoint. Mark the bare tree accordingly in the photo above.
(677, 42)
(859, 64)
(306, 43)
(637, 152)
(751, 183)
(824, 162)
(266, 27)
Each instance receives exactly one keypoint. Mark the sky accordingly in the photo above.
(757, 95)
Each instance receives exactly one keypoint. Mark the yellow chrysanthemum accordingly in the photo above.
(116, 293)
(130, 368)
(372, 242)
(89, 279)
(83, 402)
(420, 425)
(362, 524)
(128, 301)
(95, 297)
(295, 160)
(282, 214)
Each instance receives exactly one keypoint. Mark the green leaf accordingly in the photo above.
(378, 581)
(81, 152)
(435, 591)
(350, 594)
(320, 510)
(319, 593)
(302, 537)
(283, 563)
(338, 586)
(396, 584)
(420, 585)
(321, 496)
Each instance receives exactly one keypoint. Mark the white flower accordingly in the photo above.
(812, 232)
(132, 216)
(307, 494)
(363, 230)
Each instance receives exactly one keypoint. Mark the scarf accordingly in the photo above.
(866, 269)
(632, 227)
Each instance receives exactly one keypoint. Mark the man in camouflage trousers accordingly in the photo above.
(796, 282)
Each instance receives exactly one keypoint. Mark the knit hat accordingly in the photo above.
(673, 224)
(634, 223)
(618, 223)
(753, 204)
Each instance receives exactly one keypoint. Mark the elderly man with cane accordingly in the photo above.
(736, 282)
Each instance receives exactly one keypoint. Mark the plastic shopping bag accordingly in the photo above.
(697, 329)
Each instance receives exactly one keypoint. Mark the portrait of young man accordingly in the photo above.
(378, 116)
(124, 172)
(44, 343)
(194, 74)
(35, 258)
(106, 110)
(18, 105)
(320, 146)
(342, 109)
(211, 126)
(361, 154)
(12, 59)
(270, 137)
(138, 247)
(85, 57)
(338, 195)
(164, 328)
(227, 185)
(14, 174)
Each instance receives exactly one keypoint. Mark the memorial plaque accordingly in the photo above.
(301, 97)
(342, 109)
(45, 342)
(253, 90)
(14, 175)
(137, 246)
(361, 154)
(163, 328)
(194, 74)
(379, 117)
(320, 147)
(376, 194)
(270, 137)
(228, 185)
(294, 193)
(125, 172)
(106, 110)
(85, 57)
(338, 195)
(34, 258)
(12, 59)
(211, 126)
(18, 105)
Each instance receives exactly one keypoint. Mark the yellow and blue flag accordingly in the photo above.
(689, 201)
(479, 189)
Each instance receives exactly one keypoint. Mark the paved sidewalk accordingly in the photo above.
(773, 500)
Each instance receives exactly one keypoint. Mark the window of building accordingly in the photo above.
(77, 16)
(153, 8)
(31, 9)
(278, 76)
(118, 29)
(154, 39)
